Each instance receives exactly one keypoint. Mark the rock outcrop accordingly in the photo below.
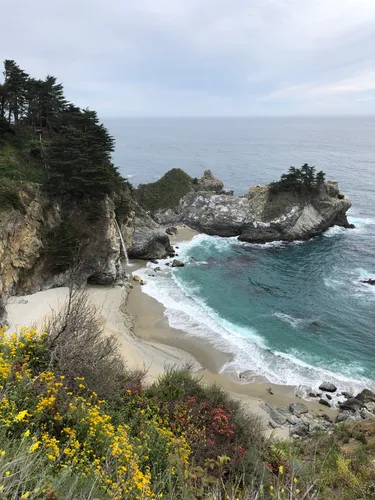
(260, 216)
(26, 265)
(208, 182)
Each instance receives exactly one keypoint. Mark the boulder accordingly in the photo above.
(324, 402)
(327, 387)
(276, 416)
(153, 261)
(351, 404)
(301, 429)
(177, 263)
(370, 406)
(343, 416)
(366, 415)
(315, 394)
(157, 269)
(137, 278)
(366, 396)
(293, 420)
(208, 182)
(171, 230)
(298, 409)
(146, 240)
(329, 397)
(347, 395)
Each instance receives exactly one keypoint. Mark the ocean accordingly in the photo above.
(295, 313)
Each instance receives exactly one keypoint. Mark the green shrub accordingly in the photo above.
(302, 180)
(166, 192)
(9, 195)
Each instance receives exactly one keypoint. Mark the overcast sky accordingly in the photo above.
(200, 57)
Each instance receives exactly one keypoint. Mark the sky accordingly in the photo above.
(200, 57)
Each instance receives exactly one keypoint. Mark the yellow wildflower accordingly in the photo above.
(34, 446)
(21, 415)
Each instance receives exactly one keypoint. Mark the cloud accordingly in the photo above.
(173, 57)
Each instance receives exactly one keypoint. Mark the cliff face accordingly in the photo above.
(27, 263)
(261, 216)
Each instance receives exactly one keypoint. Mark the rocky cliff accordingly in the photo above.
(35, 239)
(260, 216)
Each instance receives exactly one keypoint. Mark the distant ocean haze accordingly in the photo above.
(294, 313)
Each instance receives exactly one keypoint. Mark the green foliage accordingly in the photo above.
(9, 197)
(45, 139)
(166, 192)
(63, 245)
(302, 180)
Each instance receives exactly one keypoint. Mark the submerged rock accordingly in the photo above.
(324, 402)
(177, 263)
(328, 387)
(370, 281)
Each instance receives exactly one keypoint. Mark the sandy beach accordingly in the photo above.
(147, 340)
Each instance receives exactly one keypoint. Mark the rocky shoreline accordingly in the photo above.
(297, 419)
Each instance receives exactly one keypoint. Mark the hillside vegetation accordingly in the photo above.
(66, 152)
(76, 423)
(166, 192)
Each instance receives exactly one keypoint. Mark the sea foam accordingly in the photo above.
(186, 311)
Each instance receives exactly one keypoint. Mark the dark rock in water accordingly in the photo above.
(177, 247)
(328, 397)
(366, 396)
(370, 281)
(298, 409)
(328, 387)
(302, 429)
(313, 326)
(347, 395)
(171, 230)
(315, 394)
(324, 402)
(270, 391)
(153, 261)
(351, 404)
(167, 263)
(177, 263)
(172, 254)
(157, 269)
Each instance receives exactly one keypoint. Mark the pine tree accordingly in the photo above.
(15, 84)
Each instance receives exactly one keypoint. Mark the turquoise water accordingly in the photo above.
(292, 313)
